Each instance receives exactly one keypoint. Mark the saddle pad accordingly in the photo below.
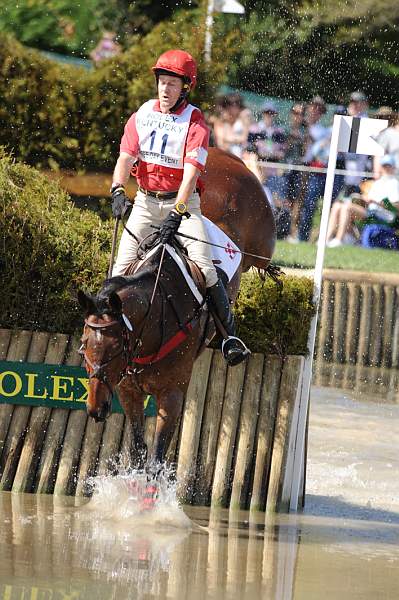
(228, 258)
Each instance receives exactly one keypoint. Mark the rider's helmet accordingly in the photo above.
(180, 64)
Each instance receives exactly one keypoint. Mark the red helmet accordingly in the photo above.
(177, 62)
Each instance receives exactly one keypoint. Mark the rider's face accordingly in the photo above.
(169, 90)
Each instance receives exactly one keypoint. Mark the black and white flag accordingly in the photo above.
(357, 135)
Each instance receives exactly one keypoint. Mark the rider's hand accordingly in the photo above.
(169, 227)
(120, 202)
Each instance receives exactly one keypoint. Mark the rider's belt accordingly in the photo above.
(158, 195)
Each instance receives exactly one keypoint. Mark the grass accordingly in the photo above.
(350, 258)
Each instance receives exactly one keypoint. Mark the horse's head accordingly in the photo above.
(105, 347)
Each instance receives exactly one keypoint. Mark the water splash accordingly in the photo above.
(120, 498)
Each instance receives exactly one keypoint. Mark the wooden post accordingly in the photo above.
(6, 410)
(40, 416)
(246, 432)
(111, 442)
(265, 430)
(52, 445)
(389, 318)
(340, 322)
(290, 380)
(352, 334)
(18, 348)
(324, 347)
(210, 428)
(365, 325)
(65, 483)
(377, 326)
(23, 343)
(191, 427)
(227, 434)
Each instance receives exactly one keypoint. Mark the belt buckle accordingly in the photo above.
(158, 195)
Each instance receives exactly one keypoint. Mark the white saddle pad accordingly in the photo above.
(228, 257)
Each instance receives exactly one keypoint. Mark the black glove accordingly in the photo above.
(120, 202)
(169, 227)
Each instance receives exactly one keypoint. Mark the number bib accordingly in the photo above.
(162, 137)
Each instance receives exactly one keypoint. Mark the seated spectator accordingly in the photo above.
(231, 127)
(344, 214)
(266, 142)
(388, 138)
(318, 158)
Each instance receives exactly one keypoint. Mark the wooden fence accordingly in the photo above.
(234, 445)
(358, 342)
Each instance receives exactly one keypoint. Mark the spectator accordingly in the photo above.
(344, 214)
(389, 138)
(294, 154)
(266, 142)
(107, 47)
(231, 128)
(318, 158)
(314, 111)
(355, 163)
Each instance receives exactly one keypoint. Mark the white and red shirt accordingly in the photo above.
(164, 142)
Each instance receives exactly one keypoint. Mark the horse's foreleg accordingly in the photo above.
(169, 408)
(132, 402)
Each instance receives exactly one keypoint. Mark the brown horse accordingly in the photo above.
(133, 319)
(234, 200)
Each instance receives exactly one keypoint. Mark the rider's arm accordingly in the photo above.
(123, 167)
(188, 184)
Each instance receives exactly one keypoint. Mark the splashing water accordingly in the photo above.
(123, 497)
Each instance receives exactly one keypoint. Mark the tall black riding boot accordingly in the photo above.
(233, 349)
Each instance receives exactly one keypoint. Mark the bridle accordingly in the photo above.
(128, 352)
(98, 370)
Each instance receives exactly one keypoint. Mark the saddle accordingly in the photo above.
(192, 269)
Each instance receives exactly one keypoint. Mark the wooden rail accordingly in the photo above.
(232, 447)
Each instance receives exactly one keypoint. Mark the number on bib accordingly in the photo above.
(164, 141)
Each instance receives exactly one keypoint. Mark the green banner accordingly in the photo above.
(56, 386)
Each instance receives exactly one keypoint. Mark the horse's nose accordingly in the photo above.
(101, 413)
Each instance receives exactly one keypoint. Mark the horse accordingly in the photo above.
(143, 332)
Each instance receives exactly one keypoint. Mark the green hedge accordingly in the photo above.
(66, 117)
(50, 249)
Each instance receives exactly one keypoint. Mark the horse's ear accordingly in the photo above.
(115, 303)
(86, 302)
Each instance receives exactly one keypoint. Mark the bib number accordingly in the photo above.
(164, 141)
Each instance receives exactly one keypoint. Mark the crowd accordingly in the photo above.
(287, 158)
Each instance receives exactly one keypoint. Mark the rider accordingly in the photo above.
(166, 142)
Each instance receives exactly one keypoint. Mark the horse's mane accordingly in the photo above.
(115, 284)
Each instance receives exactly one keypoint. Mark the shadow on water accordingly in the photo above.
(331, 506)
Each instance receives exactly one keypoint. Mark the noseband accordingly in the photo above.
(98, 371)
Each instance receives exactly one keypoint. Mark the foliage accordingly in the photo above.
(41, 107)
(275, 318)
(54, 116)
(299, 49)
(350, 258)
(49, 250)
(58, 25)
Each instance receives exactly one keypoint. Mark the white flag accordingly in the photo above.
(356, 134)
(229, 6)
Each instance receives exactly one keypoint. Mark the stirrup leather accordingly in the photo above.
(234, 350)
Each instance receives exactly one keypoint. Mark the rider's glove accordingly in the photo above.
(120, 202)
(170, 226)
